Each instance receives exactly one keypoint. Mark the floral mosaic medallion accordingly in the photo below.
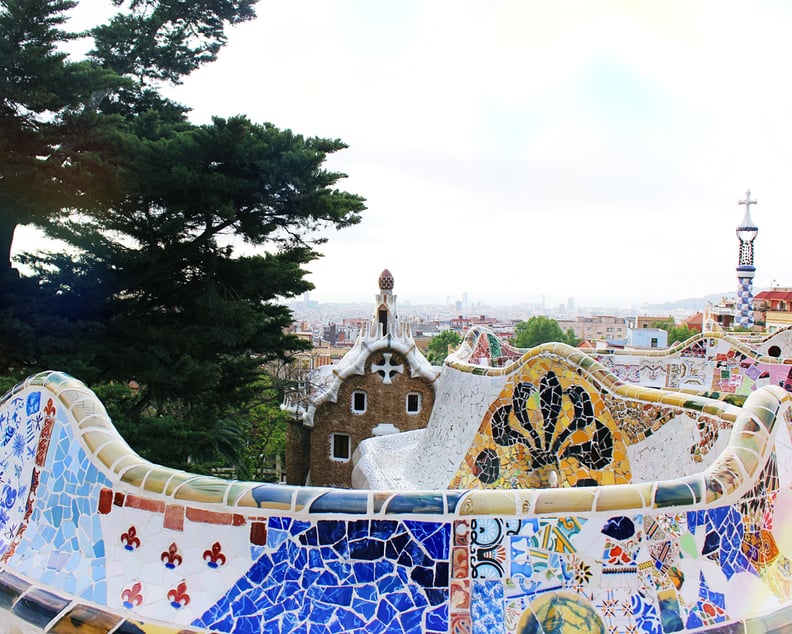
(548, 427)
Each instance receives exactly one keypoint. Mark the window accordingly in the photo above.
(654, 342)
(359, 401)
(383, 320)
(340, 447)
(413, 403)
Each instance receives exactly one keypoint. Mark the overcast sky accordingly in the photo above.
(521, 150)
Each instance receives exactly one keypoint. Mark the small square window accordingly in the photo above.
(340, 447)
(413, 403)
(358, 401)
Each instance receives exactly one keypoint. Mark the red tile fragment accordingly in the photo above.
(174, 517)
(144, 504)
(119, 499)
(208, 517)
(105, 500)
(258, 533)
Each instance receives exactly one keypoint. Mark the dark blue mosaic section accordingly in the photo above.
(724, 532)
(342, 576)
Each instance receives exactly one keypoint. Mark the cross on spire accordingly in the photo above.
(748, 202)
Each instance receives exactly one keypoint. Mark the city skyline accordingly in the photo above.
(595, 150)
(519, 150)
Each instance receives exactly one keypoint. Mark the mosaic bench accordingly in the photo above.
(95, 539)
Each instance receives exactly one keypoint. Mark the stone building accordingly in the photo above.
(597, 327)
(383, 385)
(773, 309)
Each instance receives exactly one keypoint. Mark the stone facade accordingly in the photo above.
(385, 404)
(382, 386)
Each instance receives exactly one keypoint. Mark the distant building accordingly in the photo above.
(463, 324)
(722, 314)
(695, 322)
(647, 321)
(596, 328)
(382, 385)
(648, 338)
(773, 309)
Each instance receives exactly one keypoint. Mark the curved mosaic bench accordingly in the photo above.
(95, 539)
(744, 358)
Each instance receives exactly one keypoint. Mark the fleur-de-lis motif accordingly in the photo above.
(214, 558)
(130, 539)
(171, 557)
(584, 437)
(132, 596)
(178, 596)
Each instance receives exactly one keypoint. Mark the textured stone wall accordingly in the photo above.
(298, 452)
(386, 403)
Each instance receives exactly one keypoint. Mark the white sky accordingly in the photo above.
(521, 150)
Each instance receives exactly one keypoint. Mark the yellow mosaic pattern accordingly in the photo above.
(548, 427)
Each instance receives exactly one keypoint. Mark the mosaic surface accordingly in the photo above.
(95, 539)
(713, 362)
(546, 429)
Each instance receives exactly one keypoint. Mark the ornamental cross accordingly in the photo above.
(386, 369)
(748, 202)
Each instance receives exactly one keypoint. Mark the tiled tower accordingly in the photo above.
(746, 233)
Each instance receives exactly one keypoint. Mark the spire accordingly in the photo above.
(385, 321)
(746, 234)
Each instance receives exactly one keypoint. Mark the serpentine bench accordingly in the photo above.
(93, 538)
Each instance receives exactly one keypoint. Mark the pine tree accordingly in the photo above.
(149, 302)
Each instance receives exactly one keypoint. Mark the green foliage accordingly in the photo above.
(441, 345)
(59, 117)
(148, 291)
(166, 39)
(266, 437)
(246, 438)
(571, 338)
(540, 329)
(675, 333)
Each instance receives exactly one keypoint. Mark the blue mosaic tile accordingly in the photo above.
(64, 530)
(486, 606)
(344, 579)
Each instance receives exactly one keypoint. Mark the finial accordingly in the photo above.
(746, 230)
(748, 202)
(386, 281)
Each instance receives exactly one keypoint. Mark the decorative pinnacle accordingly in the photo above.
(747, 222)
(748, 202)
(386, 281)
